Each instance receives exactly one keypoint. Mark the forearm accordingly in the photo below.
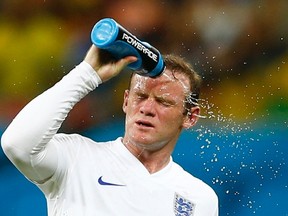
(28, 135)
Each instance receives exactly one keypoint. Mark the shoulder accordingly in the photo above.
(61, 137)
(71, 147)
(77, 139)
(79, 143)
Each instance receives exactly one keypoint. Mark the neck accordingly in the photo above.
(152, 160)
(154, 163)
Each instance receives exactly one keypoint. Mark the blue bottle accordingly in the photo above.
(107, 34)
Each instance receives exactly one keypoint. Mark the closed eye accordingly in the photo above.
(161, 100)
(141, 96)
(165, 102)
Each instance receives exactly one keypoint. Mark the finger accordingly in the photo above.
(122, 63)
(125, 61)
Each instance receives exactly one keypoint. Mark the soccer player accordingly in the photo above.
(132, 175)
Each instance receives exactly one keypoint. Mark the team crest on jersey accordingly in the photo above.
(182, 206)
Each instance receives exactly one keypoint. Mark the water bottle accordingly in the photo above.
(107, 34)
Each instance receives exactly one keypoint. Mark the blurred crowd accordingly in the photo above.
(238, 47)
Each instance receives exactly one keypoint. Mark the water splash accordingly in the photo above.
(239, 157)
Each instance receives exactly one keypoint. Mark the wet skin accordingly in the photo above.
(154, 109)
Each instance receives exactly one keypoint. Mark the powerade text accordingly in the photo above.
(139, 46)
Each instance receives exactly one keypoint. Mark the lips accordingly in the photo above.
(144, 123)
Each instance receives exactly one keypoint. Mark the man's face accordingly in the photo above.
(154, 110)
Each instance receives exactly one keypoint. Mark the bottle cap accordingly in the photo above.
(104, 32)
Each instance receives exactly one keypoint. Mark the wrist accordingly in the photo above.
(94, 75)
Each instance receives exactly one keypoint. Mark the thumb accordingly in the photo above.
(122, 63)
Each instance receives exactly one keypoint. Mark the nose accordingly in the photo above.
(148, 107)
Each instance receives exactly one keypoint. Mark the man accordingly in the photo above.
(133, 175)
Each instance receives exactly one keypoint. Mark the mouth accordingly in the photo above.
(143, 123)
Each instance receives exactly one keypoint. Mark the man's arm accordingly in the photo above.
(26, 140)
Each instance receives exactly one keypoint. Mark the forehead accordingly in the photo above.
(167, 81)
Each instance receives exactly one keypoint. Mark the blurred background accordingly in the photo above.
(239, 146)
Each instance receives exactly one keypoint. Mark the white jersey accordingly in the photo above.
(82, 177)
(106, 179)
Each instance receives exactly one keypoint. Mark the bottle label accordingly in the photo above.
(140, 47)
(149, 54)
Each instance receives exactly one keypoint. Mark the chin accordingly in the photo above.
(145, 141)
(150, 145)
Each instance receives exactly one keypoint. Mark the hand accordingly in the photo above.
(106, 69)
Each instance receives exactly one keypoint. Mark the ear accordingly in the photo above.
(125, 101)
(191, 117)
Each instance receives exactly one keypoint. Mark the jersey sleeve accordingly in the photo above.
(26, 141)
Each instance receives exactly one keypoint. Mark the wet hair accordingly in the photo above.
(177, 64)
